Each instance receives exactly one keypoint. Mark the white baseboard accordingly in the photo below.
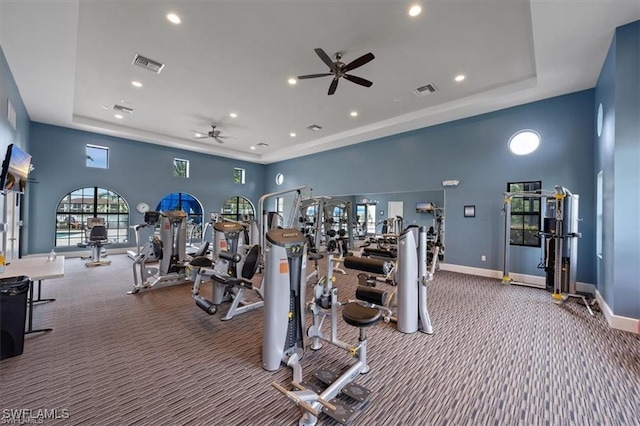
(522, 279)
(616, 321)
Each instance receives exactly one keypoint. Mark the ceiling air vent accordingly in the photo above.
(424, 90)
(147, 63)
(123, 109)
(314, 128)
(263, 144)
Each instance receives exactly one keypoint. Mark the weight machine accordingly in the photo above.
(284, 322)
(168, 250)
(559, 237)
(230, 275)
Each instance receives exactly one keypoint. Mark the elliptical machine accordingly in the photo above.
(169, 250)
(284, 321)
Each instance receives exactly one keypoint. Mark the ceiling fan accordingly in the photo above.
(213, 133)
(340, 69)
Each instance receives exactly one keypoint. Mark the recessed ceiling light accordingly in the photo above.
(136, 83)
(198, 135)
(354, 113)
(459, 77)
(253, 147)
(293, 135)
(415, 10)
(118, 116)
(292, 81)
(233, 115)
(173, 18)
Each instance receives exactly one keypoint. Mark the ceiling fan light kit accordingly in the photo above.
(213, 133)
(339, 69)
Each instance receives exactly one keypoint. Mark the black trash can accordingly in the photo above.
(13, 315)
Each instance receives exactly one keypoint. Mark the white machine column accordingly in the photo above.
(284, 296)
(407, 278)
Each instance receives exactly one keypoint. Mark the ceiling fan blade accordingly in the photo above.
(359, 62)
(201, 137)
(325, 58)
(358, 80)
(302, 77)
(333, 87)
(217, 138)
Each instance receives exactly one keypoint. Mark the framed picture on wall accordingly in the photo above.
(469, 211)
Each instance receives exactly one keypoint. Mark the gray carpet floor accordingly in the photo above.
(500, 355)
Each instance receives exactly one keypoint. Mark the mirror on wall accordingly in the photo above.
(391, 212)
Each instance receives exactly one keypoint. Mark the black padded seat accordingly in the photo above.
(315, 256)
(360, 316)
(201, 261)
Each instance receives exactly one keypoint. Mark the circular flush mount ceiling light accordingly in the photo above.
(459, 78)
(292, 81)
(415, 10)
(524, 142)
(173, 18)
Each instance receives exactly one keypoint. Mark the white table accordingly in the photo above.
(37, 269)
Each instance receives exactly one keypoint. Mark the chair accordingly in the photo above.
(98, 238)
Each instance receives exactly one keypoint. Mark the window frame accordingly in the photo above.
(69, 211)
(176, 171)
(236, 213)
(239, 175)
(524, 216)
(96, 147)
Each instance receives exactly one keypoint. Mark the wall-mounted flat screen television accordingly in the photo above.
(424, 207)
(15, 169)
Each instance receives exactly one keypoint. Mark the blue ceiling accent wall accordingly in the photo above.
(473, 151)
(140, 172)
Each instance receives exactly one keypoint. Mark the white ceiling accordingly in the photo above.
(72, 58)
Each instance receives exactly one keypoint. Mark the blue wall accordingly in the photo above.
(9, 135)
(473, 151)
(137, 171)
(618, 156)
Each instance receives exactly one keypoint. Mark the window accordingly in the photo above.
(76, 207)
(238, 208)
(97, 156)
(525, 214)
(180, 168)
(280, 205)
(238, 176)
(599, 208)
(188, 204)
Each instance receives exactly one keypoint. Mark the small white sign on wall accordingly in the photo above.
(11, 114)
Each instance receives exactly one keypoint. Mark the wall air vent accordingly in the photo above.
(314, 128)
(424, 90)
(147, 63)
(123, 109)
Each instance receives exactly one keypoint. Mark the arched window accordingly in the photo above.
(190, 205)
(238, 208)
(76, 207)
